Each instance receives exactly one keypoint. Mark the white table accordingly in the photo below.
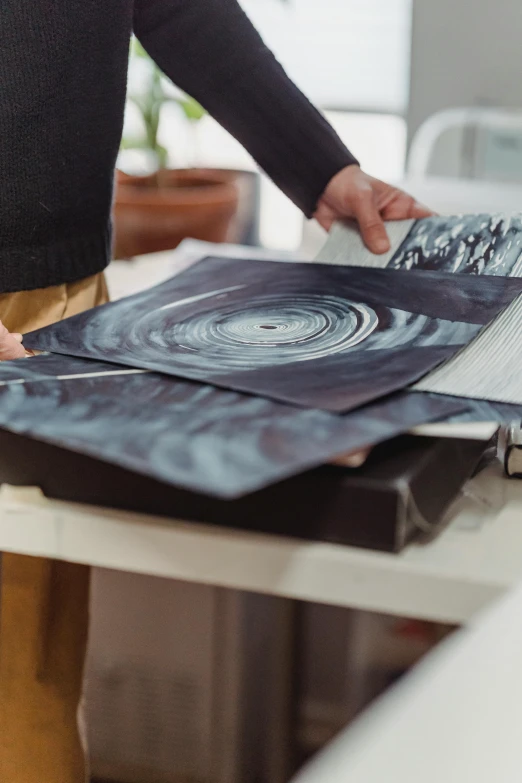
(473, 562)
(470, 565)
(476, 559)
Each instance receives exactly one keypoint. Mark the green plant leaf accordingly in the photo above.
(192, 109)
(134, 144)
(162, 155)
(137, 49)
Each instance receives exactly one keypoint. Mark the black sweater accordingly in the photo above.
(63, 66)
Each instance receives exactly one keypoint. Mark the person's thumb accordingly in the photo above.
(370, 221)
(10, 346)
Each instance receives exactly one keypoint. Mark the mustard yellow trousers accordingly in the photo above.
(44, 610)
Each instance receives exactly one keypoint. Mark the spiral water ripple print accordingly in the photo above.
(313, 335)
(273, 330)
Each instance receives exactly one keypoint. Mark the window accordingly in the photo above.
(344, 54)
(352, 59)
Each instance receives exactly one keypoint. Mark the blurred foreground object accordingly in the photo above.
(473, 682)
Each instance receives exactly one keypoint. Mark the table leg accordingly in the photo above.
(43, 635)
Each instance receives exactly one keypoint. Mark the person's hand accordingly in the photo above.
(354, 194)
(10, 345)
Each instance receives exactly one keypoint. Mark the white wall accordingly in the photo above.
(465, 52)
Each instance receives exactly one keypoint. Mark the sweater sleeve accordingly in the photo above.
(210, 49)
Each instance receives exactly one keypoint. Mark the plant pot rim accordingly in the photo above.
(208, 176)
(197, 186)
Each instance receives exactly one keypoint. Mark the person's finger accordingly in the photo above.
(18, 337)
(370, 221)
(10, 346)
(400, 208)
(419, 211)
(11, 349)
(352, 460)
(404, 207)
(325, 216)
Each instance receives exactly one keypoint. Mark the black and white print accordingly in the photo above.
(489, 368)
(474, 244)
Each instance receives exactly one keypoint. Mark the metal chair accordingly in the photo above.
(481, 143)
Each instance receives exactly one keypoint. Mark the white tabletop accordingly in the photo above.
(473, 561)
(455, 719)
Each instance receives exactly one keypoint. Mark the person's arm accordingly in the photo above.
(210, 49)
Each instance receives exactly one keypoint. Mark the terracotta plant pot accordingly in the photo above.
(157, 212)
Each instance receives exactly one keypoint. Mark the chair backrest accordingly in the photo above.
(475, 142)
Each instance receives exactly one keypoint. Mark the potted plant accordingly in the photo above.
(156, 211)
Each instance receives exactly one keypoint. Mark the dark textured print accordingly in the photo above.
(309, 334)
(192, 436)
(476, 244)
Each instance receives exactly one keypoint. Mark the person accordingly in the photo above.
(62, 88)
